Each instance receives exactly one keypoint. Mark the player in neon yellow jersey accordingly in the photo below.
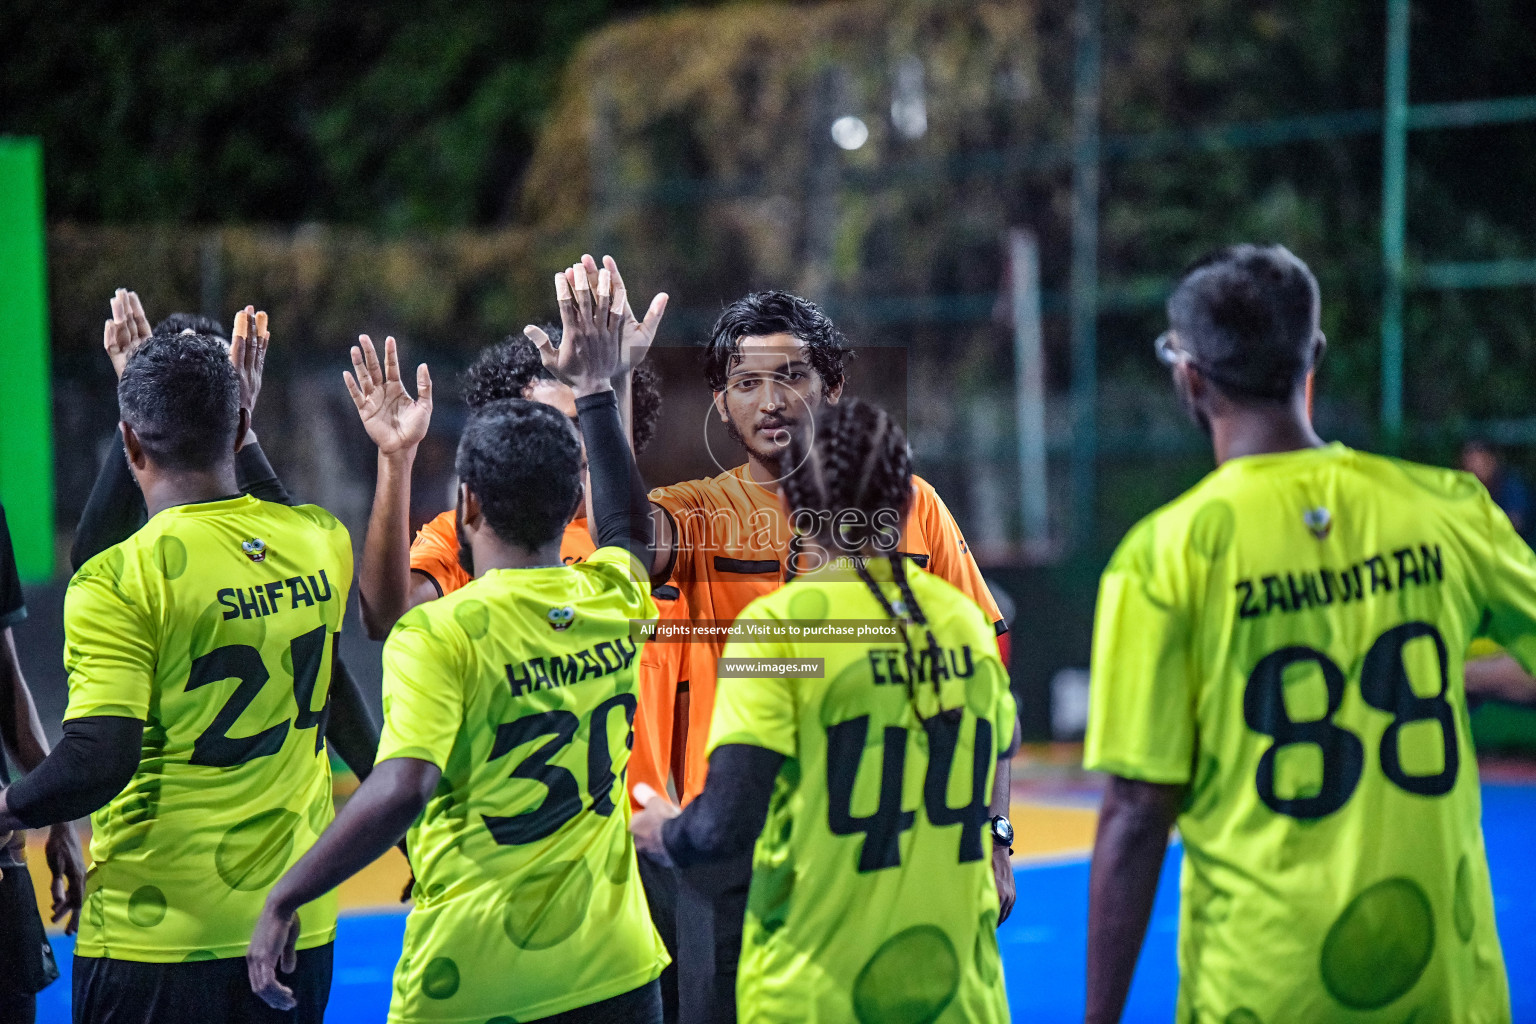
(867, 788)
(1277, 667)
(199, 653)
(508, 708)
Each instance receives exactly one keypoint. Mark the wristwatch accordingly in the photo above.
(1002, 832)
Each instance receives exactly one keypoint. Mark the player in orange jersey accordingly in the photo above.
(772, 361)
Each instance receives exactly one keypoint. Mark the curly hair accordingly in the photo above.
(194, 322)
(764, 313)
(506, 370)
(181, 396)
(522, 461)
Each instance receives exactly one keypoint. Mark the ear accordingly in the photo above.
(131, 445)
(719, 401)
(1319, 349)
(469, 507)
(242, 428)
(836, 393)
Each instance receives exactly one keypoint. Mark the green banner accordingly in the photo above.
(26, 428)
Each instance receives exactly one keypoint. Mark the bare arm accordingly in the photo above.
(1500, 678)
(1002, 856)
(20, 728)
(1128, 851)
(22, 734)
(384, 579)
(396, 423)
(372, 821)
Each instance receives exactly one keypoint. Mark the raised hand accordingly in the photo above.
(592, 332)
(248, 351)
(126, 331)
(638, 334)
(394, 420)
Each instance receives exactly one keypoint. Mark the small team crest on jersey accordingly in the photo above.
(560, 619)
(255, 549)
(1318, 521)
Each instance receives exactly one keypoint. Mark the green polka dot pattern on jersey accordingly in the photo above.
(441, 978)
(253, 853)
(549, 906)
(146, 907)
(473, 618)
(170, 556)
(1379, 946)
(910, 980)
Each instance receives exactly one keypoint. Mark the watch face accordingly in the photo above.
(1002, 830)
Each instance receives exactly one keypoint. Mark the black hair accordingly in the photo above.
(763, 313)
(506, 370)
(1248, 316)
(181, 396)
(523, 462)
(195, 322)
(855, 459)
(644, 405)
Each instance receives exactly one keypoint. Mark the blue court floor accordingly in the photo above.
(1042, 943)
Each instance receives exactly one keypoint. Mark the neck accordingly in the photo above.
(765, 476)
(162, 490)
(1248, 430)
(492, 553)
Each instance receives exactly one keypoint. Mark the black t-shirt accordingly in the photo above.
(13, 610)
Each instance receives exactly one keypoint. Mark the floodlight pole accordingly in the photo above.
(1394, 165)
(1029, 390)
(1087, 28)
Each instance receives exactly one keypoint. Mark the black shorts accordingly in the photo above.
(661, 893)
(22, 940)
(711, 910)
(204, 991)
(637, 1006)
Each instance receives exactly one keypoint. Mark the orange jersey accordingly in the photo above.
(435, 554)
(435, 551)
(732, 546)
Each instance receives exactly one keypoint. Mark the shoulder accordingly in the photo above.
(1430, 482)
(702, 493)
(953, 606)
(442, 621)
(444, 525)
(313, 515)
(1202, 519)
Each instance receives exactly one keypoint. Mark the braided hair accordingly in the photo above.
(851, 471)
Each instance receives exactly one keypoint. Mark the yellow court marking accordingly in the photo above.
(1048, 832)
(1042, 832)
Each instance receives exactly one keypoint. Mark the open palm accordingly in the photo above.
(638, 334)
(394, 420)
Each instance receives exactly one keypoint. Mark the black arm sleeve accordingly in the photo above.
(255, 476)
(350, 728)
(113, 512)
(91, 765)
(620, 507)
(726, 819)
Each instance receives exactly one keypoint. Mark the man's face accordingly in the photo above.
(771, 388)
(560, 397)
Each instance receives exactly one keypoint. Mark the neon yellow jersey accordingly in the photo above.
(1287, 638)
(872, 896)
(214, 624)
(521, 686)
